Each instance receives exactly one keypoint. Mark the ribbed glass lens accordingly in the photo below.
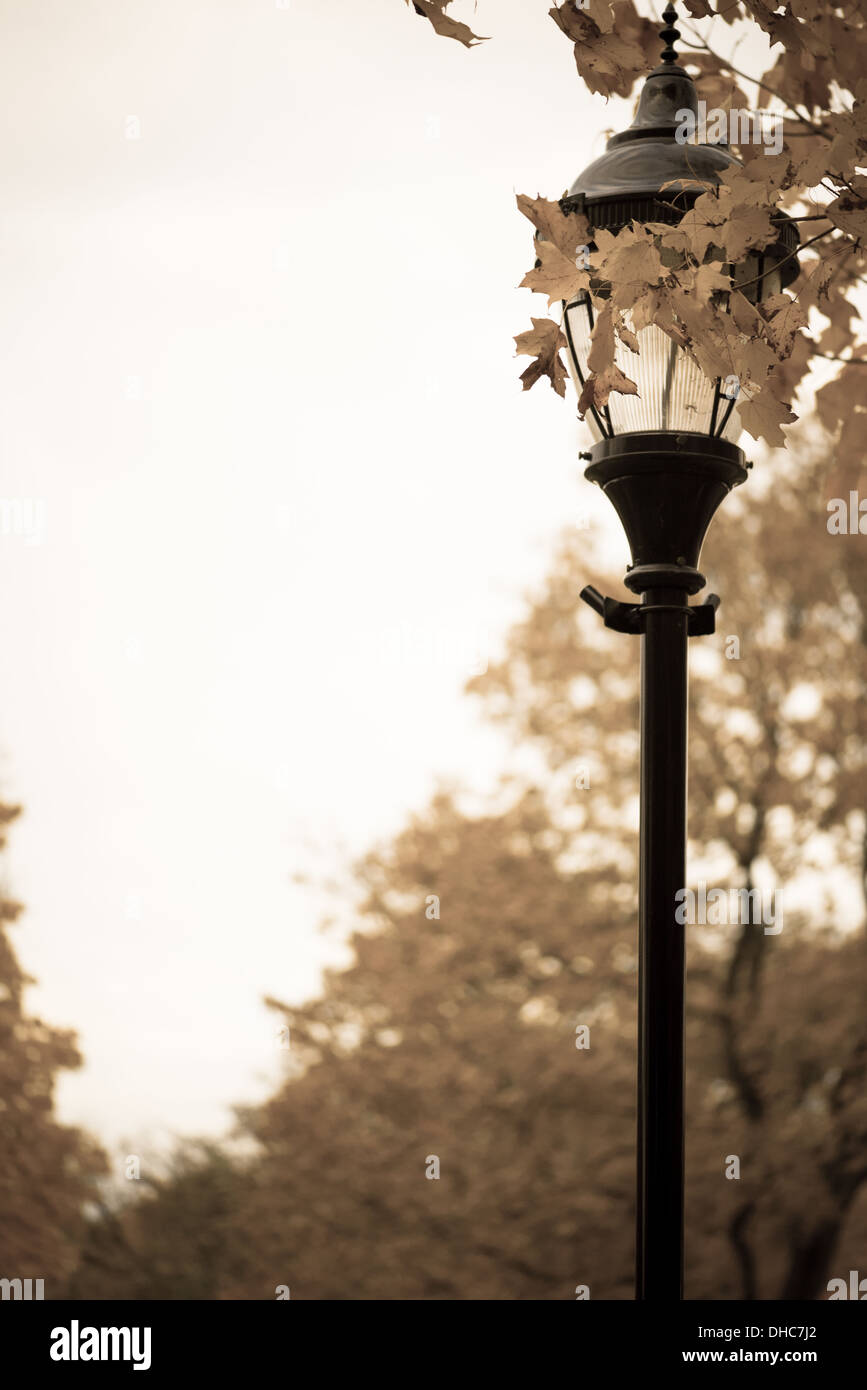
(673, 394)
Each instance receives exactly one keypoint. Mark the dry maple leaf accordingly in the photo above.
(786, 377)
(715, 220)
(837, 335)
(709, 279)
(435, 11)
(840, 399)
(760, 179)
(820, 278)
(807, 84)
(556, 275)
(633, 27)
(567, 231)
(580, 23)
(630, 262)
(562, 248)
(718, 87)
(598, 388)
(715, 355)
(782, 29)
(604, 374)
(784, 317)
(648, 309)
(747, 318)
(543, 342)
(837, 150)
(608, 63)
(850, 215)
(756, 358)
(762, 415)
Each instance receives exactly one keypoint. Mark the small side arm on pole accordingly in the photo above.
(629, 617)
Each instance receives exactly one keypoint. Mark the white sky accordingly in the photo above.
(257, 370)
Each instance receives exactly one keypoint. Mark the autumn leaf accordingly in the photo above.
(745, 315)
(762, 415)
(630, 262)
(708, 279)
(680, 185)
(675, 245)
(648, 309)
(785, 317)
(565, 230)
(806, 84)
(780, 27)
(434, 10)
(581, 23)
(821, 277)
(717, 220)
(716, 355)
(850, 215)
(555, 276)
(609, 63)
(756, 359)
(601, 354)
(719, 89)
(814, 166)
(695, 313)
(562, 249)
(637, 29)
(785, 377)
(543, 342)
(598, 388)
(760, 180)
(836, 337)
(834, 399)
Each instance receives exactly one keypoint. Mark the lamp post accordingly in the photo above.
(665, 458)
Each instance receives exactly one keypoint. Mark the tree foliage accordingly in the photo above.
(47, 1170)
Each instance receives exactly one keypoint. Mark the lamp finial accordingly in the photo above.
(669, 34)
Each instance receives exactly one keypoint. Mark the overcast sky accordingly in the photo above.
(259, 395)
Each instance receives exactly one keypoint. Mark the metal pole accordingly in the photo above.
(659, 1228)
(665, 488)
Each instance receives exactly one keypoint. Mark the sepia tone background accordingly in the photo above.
(258, 375)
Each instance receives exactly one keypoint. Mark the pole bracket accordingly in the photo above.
(629, 617)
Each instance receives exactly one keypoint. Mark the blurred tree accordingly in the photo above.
(446, 1130)
(47, 1170)
(174, 1241)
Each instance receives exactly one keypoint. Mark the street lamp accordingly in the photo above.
(666, 459)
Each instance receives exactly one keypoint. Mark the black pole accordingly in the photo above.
(659, 1210)
(665, 488)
